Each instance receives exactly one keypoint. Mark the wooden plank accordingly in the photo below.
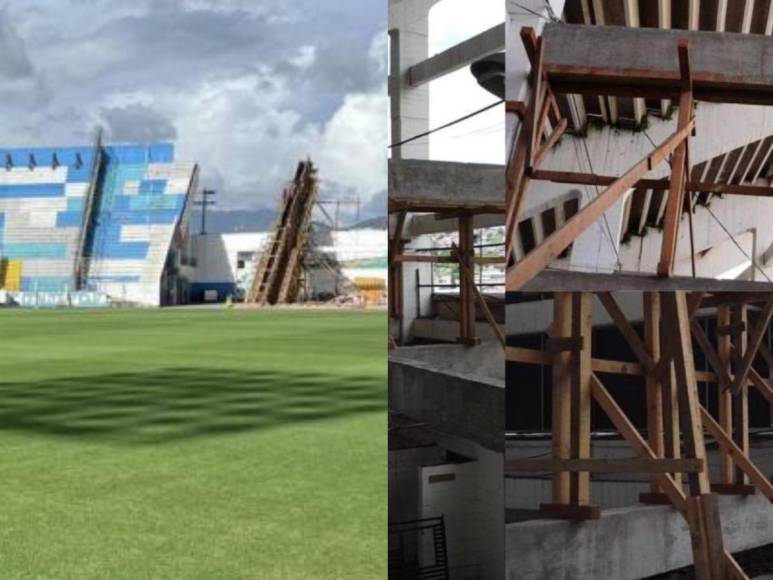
(397, 235)
(577, 513)
(464, 253)
(604, 465)
(725, 395)
(561, 405)
(582, 329)
(532, 125)
(676, 313)
(625, 328)
(679, 171)
(754, 342)
(740, 431)
(578, 178)
(671, 431)
(599, 365)
(536, 261)
(654, 391)
(712, 530)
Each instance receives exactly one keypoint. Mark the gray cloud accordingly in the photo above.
(137, 123)
(15, 62)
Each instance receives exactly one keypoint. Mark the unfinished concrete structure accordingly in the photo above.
(446, 399)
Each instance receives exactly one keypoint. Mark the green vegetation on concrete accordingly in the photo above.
(182, 444)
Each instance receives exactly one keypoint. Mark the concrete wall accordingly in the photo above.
(457, 392)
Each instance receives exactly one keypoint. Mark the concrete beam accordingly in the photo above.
(459, 56)
(549, 280)
(454, 389)
(627, 543)
(420, 185)
(622, 61)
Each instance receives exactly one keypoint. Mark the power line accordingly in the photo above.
(604, 215)
(450, 124)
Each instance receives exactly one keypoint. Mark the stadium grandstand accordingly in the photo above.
(92, 225)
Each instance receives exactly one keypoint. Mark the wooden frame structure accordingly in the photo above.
(462, 254)
(541, 127)
(674, 452)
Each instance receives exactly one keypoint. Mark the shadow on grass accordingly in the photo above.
(173, 404)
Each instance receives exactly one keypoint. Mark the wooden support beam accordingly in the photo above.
(740, 431)
(582, 329)
(671, 431)
(676, 314)
(706, 534)
(533, 263)
(693, 304)
(724, 348)
(470, 278)
(625, 328)
(679, 170)
(577, 513)
(754, 342)
(654, 391)
(599, 365)
(562, 383)
(465, 254)
(537, 89)
(577, 178)
(603, 465)
(554, 345)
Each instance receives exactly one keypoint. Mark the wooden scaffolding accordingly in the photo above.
(674, 452)
(279, 273)
(542, 125)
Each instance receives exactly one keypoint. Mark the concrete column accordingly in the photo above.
(409, 106)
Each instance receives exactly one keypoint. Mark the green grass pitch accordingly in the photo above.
(182, 444)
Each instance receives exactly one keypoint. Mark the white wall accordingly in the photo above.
(472, 505)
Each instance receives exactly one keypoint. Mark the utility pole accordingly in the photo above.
(203, 203)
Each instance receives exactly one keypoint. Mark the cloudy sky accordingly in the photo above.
(243, 87)
(482, 138)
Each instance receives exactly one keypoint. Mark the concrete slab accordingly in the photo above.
(725, 67)
(458, 390)
(421, 185)
(626, 543)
